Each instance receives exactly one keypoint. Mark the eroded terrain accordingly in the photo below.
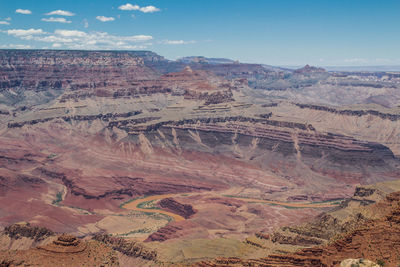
(190, 159)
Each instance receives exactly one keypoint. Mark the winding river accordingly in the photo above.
(135, 205)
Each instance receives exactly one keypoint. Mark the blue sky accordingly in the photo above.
(275, 32)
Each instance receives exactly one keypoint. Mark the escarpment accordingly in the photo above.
(81, 75)
(291, 137)
(104, 117)
(40, 70)
(358, 113)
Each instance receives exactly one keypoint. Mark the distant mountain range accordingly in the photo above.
(363, 68)
(201, 59)
(207, 60)
(353, 68)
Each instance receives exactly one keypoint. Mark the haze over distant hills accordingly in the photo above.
(205, 60)
(364, 68)
(394, 68)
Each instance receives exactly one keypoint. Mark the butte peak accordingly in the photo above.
(188, 69)
(67, 240)
(310, 69)
(65, 243)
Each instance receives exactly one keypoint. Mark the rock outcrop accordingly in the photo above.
(65, 244)
(185, 210)
(128, 248)
(164, 233)
(358, 262)
(309, 69)
(19, 230)
(70, 253)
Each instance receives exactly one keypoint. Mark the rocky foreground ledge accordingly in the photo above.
(51, 249)
(377, 240)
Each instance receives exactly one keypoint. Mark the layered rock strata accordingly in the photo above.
(185, 210)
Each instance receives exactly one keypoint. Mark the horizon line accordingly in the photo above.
(289, 66)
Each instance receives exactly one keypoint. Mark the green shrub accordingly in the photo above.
(381, 262)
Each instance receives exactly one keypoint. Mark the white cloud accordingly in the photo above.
(23, 11)
(149, 9)
(85, 23)
(177, 42)
(16, 46)
(138, 38)
(75, 39)
(105, 19)
(4, 23)
(53, 39)
(8, 19)
(145, 9)
(70, 33)
(60, 20)
(60, 13)
(22, 33)
(129, 7)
